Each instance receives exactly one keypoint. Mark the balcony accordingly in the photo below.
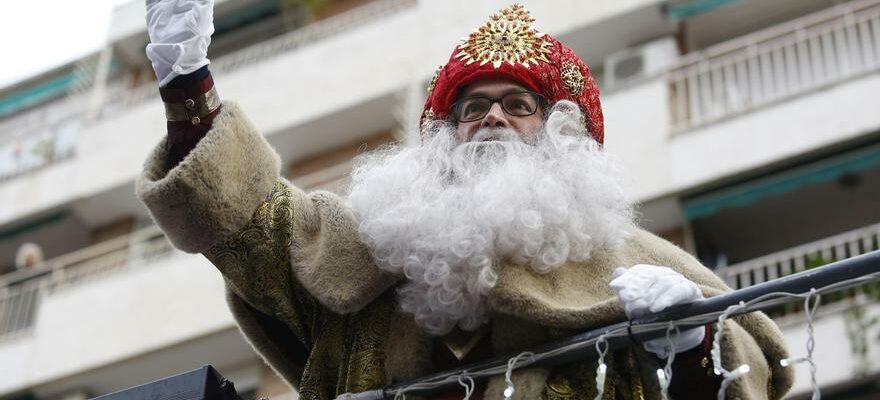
(775, 64)
(39, 138)
(49, 134)
(114, 315)
(803, 257)
(21, 291)
(801, 89)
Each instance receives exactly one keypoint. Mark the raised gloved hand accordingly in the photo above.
(644, 289)
(180, 32)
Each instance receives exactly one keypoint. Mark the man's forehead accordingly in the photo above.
(491, 87)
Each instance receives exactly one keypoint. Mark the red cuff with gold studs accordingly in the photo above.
(191, 104)
(190, 111)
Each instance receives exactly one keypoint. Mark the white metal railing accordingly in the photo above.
(800, 258)
(121, 97)
(27, 122)
(39, 137)
(46, 145)
(805, 257)
(22, 291)
(770, 65)
(18, 305)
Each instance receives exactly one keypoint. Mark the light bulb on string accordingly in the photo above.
(511, 364)
(664, 376)
(661, 377)
(602, 369)
(787, 362)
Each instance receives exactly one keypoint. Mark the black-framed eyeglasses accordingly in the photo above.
(518, 104)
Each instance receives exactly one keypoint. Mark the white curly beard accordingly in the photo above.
(447, 215)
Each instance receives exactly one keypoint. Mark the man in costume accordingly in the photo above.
(505, 228)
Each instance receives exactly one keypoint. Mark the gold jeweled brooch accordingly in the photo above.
(509, 36)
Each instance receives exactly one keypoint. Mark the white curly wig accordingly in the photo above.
(448, 215)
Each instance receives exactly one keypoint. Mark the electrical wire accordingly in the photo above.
(762, 302)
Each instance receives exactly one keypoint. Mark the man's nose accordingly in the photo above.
(495, 118)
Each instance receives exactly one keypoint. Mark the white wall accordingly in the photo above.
(637, 132)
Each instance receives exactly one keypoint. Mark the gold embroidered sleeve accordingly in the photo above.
(255, 262)
(345, 352)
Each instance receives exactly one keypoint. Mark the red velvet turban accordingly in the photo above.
(509, 47)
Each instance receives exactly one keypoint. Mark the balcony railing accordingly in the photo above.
(22, 291)
(775, 64)
(375, 10)
(803, 257)
(38, 138)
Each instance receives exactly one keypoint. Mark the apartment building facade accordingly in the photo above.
(749, 131)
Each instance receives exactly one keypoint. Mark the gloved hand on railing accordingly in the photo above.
(180, 32)
(644, 289)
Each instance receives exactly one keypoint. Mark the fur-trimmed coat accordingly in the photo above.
(311, 301)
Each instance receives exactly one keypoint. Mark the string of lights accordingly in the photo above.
(807, 285)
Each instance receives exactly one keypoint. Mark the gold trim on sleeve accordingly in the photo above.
(194, 109)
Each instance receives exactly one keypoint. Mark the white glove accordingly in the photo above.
(645, 289)
(180, 32)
